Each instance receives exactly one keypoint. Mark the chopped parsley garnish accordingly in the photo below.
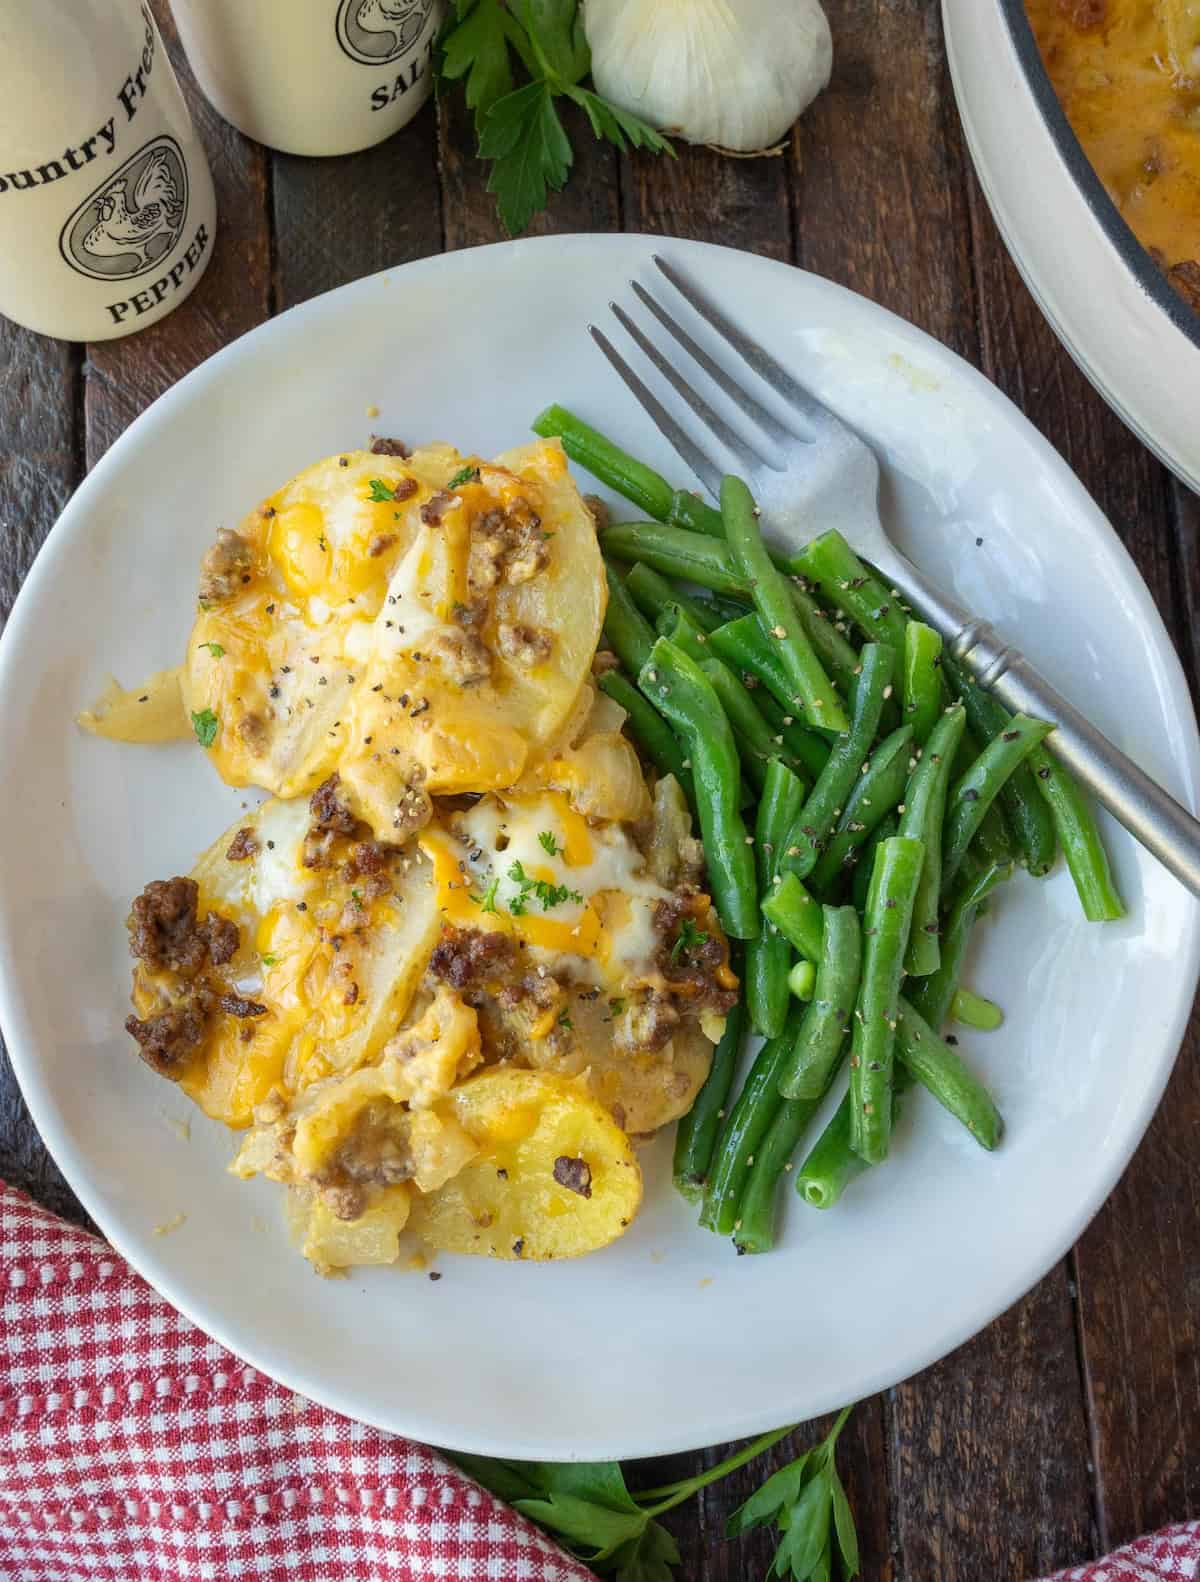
(356, 897)
(268, 961)
(381, 491)
(487, 901)
(617, 1006)
(214, 649)
(205, 725)
(548, 843)
(548, 894)
(690, 938)
(466, 475)
(323, 543)
(564, 1020)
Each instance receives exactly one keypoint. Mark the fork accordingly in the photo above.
(820, 471)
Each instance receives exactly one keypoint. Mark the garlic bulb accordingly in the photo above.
(735, 73)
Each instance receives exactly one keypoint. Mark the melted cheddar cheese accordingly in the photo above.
(1127, 73)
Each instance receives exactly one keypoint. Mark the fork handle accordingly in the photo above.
(1154, 818)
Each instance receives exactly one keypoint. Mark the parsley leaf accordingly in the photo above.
(800, 1500)
(548, 894)
(476, 52)
(564, 1020)
(616, 1006)
(589, 1509)
(467, 475)
(690, 938)
(487, 901)
(518, 127)
(205, 725)
(214, 649)
(531, 153)
(380, 490)
(548, 843)
(268, 961)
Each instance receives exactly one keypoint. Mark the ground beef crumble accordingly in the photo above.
(226, 566)
(388, 447)
(466, 958)
(243, 846)
(168, 1040)
(164, 931)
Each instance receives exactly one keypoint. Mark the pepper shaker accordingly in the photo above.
(107, 212)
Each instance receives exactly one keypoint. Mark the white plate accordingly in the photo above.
(665, 1340)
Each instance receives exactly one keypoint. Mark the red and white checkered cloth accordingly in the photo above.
(135, 1449)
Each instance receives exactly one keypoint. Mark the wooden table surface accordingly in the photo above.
(1073, 1422)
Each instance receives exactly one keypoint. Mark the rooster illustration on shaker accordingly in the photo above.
(404, 18)
(131, 225)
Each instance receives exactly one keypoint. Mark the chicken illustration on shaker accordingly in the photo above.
(122, 226)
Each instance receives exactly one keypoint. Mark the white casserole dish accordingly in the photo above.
(1109, 304)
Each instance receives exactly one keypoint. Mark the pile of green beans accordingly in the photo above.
(860, 798)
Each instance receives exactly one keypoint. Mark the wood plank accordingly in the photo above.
(1136, 1272)
(1138, 1267)
(709, 197)
(41, 462)
(41, 458)
(588, 202)
(124, 376)
(339, 219)
(880, 200)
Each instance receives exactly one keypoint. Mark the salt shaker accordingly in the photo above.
(107, 212)
(312, 76)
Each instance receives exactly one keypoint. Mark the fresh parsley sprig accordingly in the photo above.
(588, 1508)
(519, 128)
(807, 1503)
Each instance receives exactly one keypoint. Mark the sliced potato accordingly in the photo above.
(373, 1238)
(152, 712)
(358, 623)
(554, 1177)
(336, 977)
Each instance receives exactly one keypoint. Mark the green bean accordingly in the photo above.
(769, 956)
(975, 1010)
(647, 489)
(675, 552)
(1027, 811)
(745, 1127)
(993, 843)
(751, 732)
(886, 925)
(745, 648)
(652, 593)
(817, 1051)
(754, 1227)
(832, 1164)
(922, 685)
(696, 1134)
(933, 995)
(725, 606)
(802, 980)
(678, 688)
(888, 826)
(940, 1069)
(796, 915)
(674, 622)
(813, 691)
(630, 635)
(975, 792)
(923, 817)
(847, 584)
(876, 793)
(820, 813)
(655, 737)
(807, 748)
(1079, 838)
(837, 655)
